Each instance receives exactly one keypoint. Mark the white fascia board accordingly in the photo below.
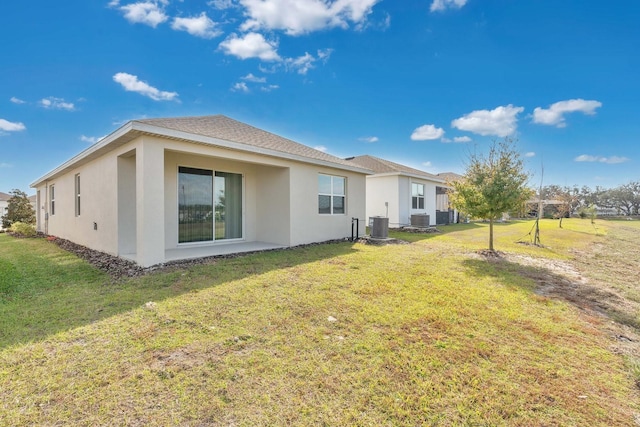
(123, 130)
(238, 146)
(410, 175)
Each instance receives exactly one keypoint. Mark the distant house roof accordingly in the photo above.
(4, 197)
(382, 166)
(450, 176)
(545, 202)
(216, 130)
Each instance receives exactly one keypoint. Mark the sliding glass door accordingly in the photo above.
(228, 187)
(209, 205)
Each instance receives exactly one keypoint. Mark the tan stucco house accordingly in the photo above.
(158, 190)
(400, 192)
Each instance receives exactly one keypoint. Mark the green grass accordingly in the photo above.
(425, 334)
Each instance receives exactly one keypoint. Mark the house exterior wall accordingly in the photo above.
(272, 210)
(281, 196)
(98, 205)
(307, 225)
(395, 189)
(130, 193)
(383, 191)
(405, 200)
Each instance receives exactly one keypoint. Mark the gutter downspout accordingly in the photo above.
(46, 208)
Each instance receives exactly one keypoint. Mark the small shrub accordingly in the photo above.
(23, 229)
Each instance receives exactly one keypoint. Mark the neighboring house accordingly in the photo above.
(443, 207)
(399, 192)
(549, 207)
(4, 206)
(158, 190)
(32, 200)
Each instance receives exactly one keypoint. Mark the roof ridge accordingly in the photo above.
(397, 167)
(181, 117)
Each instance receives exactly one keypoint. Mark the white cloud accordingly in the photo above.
(369, 139)
(91, 139)
(324, 54)
(269, 88)
(251, 45)
(554, 115)
(147, 12)
(56, 104)
(320, 148)
(131, 83)
(17, 100)
(250, 78)
(501, 121)
(461, 139)
(304, 63)
(240, 87)
(442, 5)
(530, 154)
(427, 132)
(296, 17)
(254, 79)
(301, 64)
(268, 70)
(426, 164)
(8, 126)
(221, 4)
(608, 160)
(199, 26)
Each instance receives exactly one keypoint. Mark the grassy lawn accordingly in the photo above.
(427, 333)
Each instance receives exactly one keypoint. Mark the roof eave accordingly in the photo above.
(102, 144)
(146, 128)
(410, 175)
(238, 146)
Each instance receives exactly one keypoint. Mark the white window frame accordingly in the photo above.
(333, 194)
(417, 197)
(52, 200)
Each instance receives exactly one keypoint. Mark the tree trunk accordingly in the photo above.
(561, 221)
(491, 234)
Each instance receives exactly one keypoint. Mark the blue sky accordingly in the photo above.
(419, 82)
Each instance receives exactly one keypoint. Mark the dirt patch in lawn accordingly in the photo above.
(603, 304)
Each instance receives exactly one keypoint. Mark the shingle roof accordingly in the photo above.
(379, 165)
(6, 197)
(230, 133)
(225, 128)
(449, 176)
